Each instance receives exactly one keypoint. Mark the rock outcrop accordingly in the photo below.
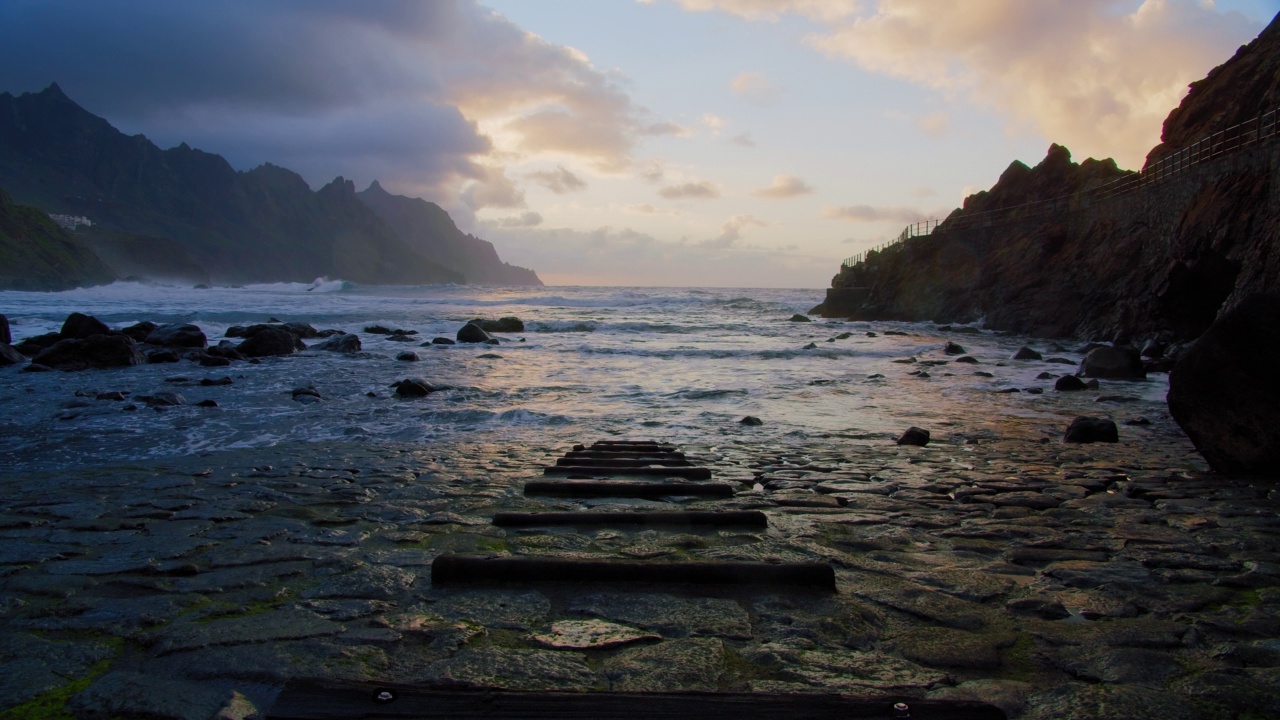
(1044, 252)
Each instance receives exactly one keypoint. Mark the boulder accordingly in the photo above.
(751, 420)
(225, 349)
(1085, 429)
(914, 436)
(346, 343)
(179, 335)
(166, 398)
(32, 346)
(408, 356)
(378, 330)
(1223, 390)
(79, 326)
(97, 351)
(953, 349)
(5, 336)
(1069, 383)
(1114, 362)
(800, 318)
(301, 329)
(140, 331)
(1026, 353)
(413, 387)
(472, 333)
(270, 341)
(505, 325)
(162, 356)
(441, 341)
(1152, 348)
(213, 361)
(10, 356)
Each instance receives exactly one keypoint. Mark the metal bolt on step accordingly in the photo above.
(901, 710)
(384, 696)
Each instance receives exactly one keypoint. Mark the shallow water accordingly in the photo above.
(680, 364)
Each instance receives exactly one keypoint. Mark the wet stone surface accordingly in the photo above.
(1110, 581)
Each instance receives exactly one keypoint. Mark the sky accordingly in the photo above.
(730, 143)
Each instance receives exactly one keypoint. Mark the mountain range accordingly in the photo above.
(185, 214)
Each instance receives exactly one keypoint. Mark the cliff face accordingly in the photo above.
(257, 226)
(1162, 260)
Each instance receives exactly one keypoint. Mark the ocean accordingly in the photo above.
(684, 365)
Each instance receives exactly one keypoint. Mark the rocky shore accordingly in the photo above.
(1052, 580)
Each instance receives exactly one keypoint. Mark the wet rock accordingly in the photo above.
(591, 635)
(952, 348)
(10, 356)
(164, 398)
(33, 666)
(347, 343)
(1008, 695)
(32, 346)
(504, 325)
(408, 356)
(442, 341)
(518, 669)
(1069, 383)
(1108, 702)
(1224, 399)
(207, 403)
(265, 627)
(1026, 353)
(270, 342)
(139, 331)
(1038, 607)
(306, 394)
(1120, 363)
(79, 326)
(472, 333)
(98, 351)
(216, 382)
(668, 614)
(162, 356)
(178, 335)
(751, 420)
(914, 436)
(131, 694)
(375, 582)
(969, 359)
(861, 670)
(800, 318)
(378, 330)
(947, 647)
(507, 610)
(413, 388)
(1085, 429)
(6, 338)
(686, 664)
(1118, 665)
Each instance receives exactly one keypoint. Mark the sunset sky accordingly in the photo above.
(641, 142)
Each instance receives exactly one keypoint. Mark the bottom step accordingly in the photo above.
(722, 518)
(332, 699)
(493, 569)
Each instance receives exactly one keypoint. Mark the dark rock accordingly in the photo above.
(810, 346)
(303, 330)
(1120, 363)
(111, 395)
(1223, 394)
(409, 356)
(378, 330)
(504, 325)
(1026, 353)
(139, 331)
(344, 343)
(914, 436)
(1137, 421)
(207, 404)
(178, 335)
(982, 373)
(400, 337)
(33, 345)
(226, 350)
(214, 361)
(330, 332)
(1085, 429)
(751, 420)
(413, 387)
(967, 359)
(97, 351)
(162, 356)
(164, 398)
(36, 367)
(1069, 383)
(1046, 376)
(800, 318)
(305, 394)
(953, 349)
(1152, 348)
(79, 326)
(211, 382)
(10, 356)
(442, 341)
(871, 334)
(271, 341)
(472, 333)
(5, 337)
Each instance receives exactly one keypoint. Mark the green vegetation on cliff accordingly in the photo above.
(36, 254)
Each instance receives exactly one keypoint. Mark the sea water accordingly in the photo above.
(684, 365)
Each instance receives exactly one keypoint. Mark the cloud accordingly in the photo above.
(773, 10)
(743, 139)
(784, 186)
(871, 213)
(1096, 75)
(558, 181)
(755, 88)
(702, 190)
(427, 97)
(528, 219)
(731, 231)
(935, 124)
(714, 123)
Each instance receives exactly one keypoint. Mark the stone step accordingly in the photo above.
(688, 473)
(628, 445)
(621, 462)
(724, 518)
(323, 699)
(673, 455)
(452, 569)
(621, 488)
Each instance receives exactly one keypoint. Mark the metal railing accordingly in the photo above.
(1253, 131)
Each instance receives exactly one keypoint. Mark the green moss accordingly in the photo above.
(738, 671)
(52, 705)
(1016, 662)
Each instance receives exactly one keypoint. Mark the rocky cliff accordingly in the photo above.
(258, 226)
(1044, 253)
(36, 254)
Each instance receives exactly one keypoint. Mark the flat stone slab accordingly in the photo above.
(671, 615)
(688, 473)
(734, 518)
(621, 488)
(591, 635)
(266, 627)
(465, 569)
